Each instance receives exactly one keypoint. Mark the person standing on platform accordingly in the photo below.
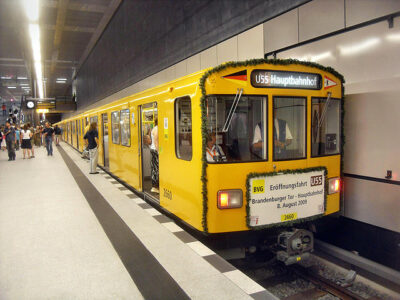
(154, 158)
(1, 139)
(36, 136)
(32, 129)
(92, 143)
(57, 132)
(85, 152)
(48, 134)
(26, 136)
(17, 136)
(9, 132)
(4, 108)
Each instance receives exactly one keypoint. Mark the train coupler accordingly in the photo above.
(296, 244)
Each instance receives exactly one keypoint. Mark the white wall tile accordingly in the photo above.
(372, 202)
(208, 58)
(320, 17)
(358, 11)
(170, 73)
(281, 32)
(193, 64)
(251, 43)
(181, 69)
(227, 50)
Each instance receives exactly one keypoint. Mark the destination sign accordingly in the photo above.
(285, 80)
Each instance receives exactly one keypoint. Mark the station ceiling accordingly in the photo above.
(68, 31)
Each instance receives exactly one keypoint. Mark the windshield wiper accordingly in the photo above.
(232, 111)
(322, 118)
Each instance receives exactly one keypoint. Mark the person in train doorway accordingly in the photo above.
(154, 158)
(9, 133)
(214, 151)
(92, 143)
(48, 134)
(85, 152)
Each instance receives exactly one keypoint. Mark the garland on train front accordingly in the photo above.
(247, 63)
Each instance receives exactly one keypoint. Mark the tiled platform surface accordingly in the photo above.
(52, 245)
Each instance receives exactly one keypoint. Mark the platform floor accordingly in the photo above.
(65, 234)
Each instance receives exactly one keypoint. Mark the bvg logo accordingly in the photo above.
(316, 180)
(258, 186)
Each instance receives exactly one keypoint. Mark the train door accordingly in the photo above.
(106, 160)
(149, 150)
(77, 134)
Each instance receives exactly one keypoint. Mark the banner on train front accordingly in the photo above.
(285, 197)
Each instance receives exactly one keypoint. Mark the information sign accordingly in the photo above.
(286, 197)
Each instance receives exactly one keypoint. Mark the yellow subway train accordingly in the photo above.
(241, 147)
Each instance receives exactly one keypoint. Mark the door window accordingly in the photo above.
(183, 130)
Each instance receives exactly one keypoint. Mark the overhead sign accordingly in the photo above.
(285, 79)
(285, 197)
(328, 83)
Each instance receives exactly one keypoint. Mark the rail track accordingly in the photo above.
(313, 279)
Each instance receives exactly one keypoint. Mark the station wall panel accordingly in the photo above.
(359, 11)
(208, 58)
(227, 50)
(320, 17)
(181, 69)
(282, 31)
(380, 210)
(193, 64)
(251, 43)
(371, 125)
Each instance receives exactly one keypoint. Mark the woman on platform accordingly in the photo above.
(26, 135)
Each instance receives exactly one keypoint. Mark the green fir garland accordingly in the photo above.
(247, 63)
(267, 174)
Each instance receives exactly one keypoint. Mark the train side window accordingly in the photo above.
(125, 128)
(183, 128)
(93, 119)
(289, 128)
(115, 125)
(325, 130)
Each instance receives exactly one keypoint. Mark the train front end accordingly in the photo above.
(272, 136)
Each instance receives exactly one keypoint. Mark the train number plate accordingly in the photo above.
(289, 217)
(285, 197)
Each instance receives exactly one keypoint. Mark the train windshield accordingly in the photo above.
(289, 128)
(236, 129)
(325, 137)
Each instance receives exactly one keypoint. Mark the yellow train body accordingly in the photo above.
(180, 180)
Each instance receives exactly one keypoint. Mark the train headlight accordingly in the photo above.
(334, 185)
(230, 199)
